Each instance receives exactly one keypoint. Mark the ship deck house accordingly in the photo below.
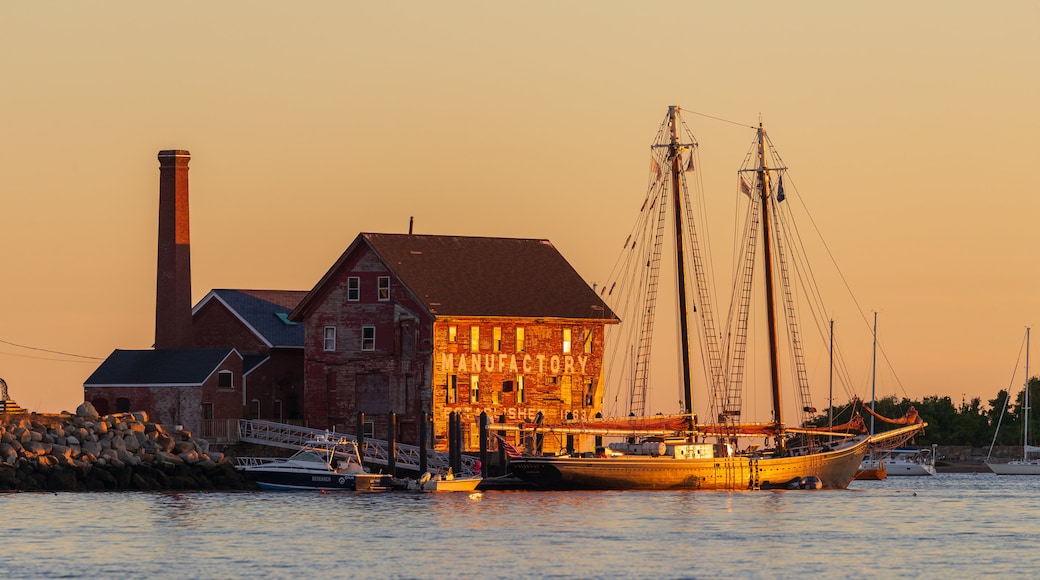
(415, 324)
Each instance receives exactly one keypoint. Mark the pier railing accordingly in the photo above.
(373, 451)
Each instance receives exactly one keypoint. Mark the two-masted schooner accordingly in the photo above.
(679, 452)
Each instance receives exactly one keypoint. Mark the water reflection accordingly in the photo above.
(963, 526)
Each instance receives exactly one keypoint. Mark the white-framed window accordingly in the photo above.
(474, 339)
(587, 340)
(369, 429)
(384, 288)
(353, 289)
(566, 340)
(225, 380)
(519, 339)
(453, 333)
(474, 389)
(452, 396)
(330, 339)
(496, 339)
(520, 388)
(368, 338)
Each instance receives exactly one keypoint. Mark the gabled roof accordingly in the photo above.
(477, 276)
(167, 367)
(263, 312)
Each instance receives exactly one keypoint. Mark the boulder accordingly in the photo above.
(87, 411)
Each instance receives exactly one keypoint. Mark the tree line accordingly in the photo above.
(969, 423)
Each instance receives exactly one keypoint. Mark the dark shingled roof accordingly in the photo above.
(260, 309)
(476, 276)
(186, 367)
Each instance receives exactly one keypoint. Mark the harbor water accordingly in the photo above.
(950, 525)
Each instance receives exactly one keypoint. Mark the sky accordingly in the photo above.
(909, 128)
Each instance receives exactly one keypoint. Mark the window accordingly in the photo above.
(474, 339)
(207, 411)
(384, 288)
(225, 380)
(353, 289)
(565, 389)
(368, 338)
(330, 339)
(453, 333)
(587, 341)
(453, 390)
(368, 428)
(474, 389)
(520, 388)
(519, 339)
(566, 340)
(496, 339)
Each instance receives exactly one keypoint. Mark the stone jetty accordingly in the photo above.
(86, 452)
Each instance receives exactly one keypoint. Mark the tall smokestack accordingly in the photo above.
(173, 277)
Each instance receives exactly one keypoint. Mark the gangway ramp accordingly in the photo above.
(373, 451)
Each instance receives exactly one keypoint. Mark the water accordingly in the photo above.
(950, 525)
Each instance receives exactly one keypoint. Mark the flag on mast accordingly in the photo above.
(780, 190)
(744, 187)
(689, 163)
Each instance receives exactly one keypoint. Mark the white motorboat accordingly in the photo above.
(325, 464)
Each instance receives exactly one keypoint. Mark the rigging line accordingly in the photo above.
(51, 351)
(46, 358)
(720, 119)
(1007, 399)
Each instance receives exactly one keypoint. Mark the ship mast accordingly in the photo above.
(774, 355)
(674, 157)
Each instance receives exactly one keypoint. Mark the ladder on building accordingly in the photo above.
(374, 452)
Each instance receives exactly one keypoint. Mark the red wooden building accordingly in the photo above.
(420, 323)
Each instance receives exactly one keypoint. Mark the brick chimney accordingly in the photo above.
(173, 276)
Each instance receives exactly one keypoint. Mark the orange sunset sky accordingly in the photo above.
(911, 130)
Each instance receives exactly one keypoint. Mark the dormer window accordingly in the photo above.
(384, 288)
(225, 380)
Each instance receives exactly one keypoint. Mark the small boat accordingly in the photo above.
(1024, 466)
(448, 482)
(910, 461)
(325, 464)
(871, 469)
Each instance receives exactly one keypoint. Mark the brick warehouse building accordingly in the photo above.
(420, 323)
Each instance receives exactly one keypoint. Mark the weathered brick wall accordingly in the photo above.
(394, 369)
(556, 383)
(177, 405)
(280, 378)
(213, 326)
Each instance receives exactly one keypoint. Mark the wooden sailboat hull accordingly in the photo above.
(833, 469)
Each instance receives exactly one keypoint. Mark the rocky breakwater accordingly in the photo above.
(114, 452)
